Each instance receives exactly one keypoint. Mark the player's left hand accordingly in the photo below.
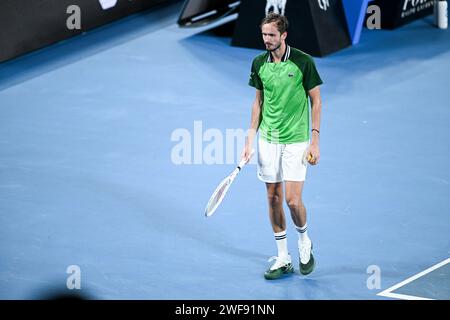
(314, 151)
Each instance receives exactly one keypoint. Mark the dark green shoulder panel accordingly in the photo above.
(305, 63)
(255, 80)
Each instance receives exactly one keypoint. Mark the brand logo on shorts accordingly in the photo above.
(290, 75)
(263, 176)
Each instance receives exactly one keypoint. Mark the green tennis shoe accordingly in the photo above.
(281, 267)
(307, 261)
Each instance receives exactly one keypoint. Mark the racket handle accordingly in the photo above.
(244, 161)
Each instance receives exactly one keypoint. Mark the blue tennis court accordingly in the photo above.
(89, 176)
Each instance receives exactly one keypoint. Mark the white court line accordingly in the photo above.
(401, 296)
(388, 292)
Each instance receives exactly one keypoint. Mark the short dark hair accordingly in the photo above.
(280, 20)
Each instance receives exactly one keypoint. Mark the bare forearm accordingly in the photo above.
(316, 108)
(255, 122)
(256, 117)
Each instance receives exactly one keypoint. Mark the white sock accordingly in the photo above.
(303, 233)
(281, 240)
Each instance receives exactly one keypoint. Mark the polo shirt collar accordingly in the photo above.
(285, 57)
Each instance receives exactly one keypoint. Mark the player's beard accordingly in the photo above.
(276, 47)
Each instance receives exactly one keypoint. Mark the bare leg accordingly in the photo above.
(298, 213)
(294, 201)
(276, 213)
(283, 263)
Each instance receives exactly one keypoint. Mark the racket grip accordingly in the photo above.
(244, 161)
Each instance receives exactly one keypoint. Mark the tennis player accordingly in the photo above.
(284, 78)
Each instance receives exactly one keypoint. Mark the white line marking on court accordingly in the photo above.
(389, 294)
(401, 296)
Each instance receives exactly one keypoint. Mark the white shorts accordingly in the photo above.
(281, 162)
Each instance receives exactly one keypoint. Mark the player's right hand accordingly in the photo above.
(246, 153)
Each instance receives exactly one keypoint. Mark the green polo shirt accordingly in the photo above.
(285, 111)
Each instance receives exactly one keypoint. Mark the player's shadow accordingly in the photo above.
(48, 293)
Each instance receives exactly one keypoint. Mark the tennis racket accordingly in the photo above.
(222, 189)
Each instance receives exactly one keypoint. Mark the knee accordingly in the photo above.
(274, 200)
(294, 203)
